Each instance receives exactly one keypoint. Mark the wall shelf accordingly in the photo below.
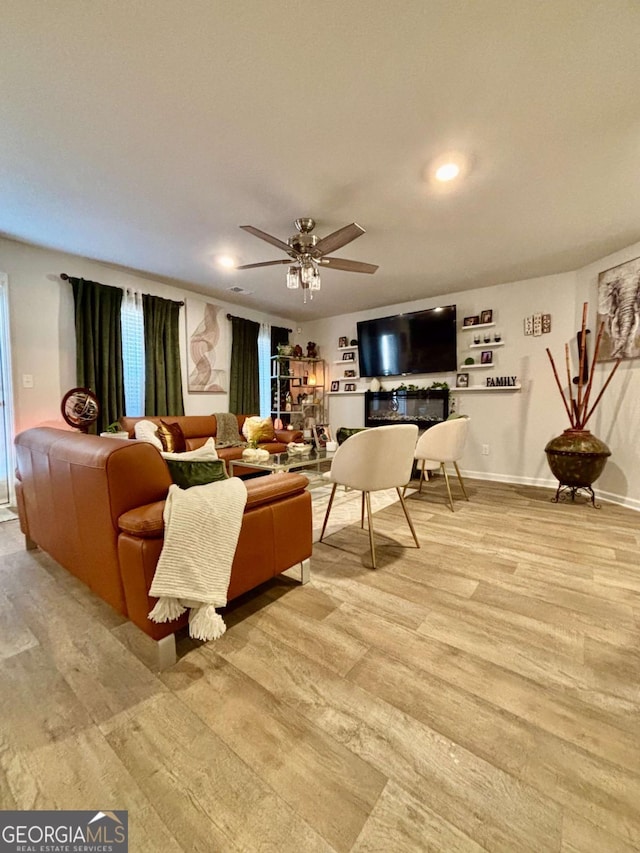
(344, 349)
(492, 345)
(474, 366)
(489, 388)
(477, 326)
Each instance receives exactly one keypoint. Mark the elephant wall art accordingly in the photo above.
(619, 308)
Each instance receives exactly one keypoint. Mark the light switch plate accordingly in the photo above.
(537, 324)
(528, 325)
(27, 380)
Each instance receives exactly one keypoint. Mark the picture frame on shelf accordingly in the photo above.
(471, 321)
(462, 380)
(348, 374)
(486, 316)
(348, 356)
(350, 386)
(343, 342)
(486, 356)
(321, 435)
(335, 385)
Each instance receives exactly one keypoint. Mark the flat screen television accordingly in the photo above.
(420, 342)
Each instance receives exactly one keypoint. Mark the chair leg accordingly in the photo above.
(446, 478)
(408, 517)
(464, 491)
(326, 517)
(362, 512)
(370, 519)
(421, 478)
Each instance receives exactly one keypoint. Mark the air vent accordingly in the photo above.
(236, 289)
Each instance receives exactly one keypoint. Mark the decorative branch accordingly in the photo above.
(555, 373)
(578, 410)
(604, 388)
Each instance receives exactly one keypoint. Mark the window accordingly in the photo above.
(264, 369)
(133, 352)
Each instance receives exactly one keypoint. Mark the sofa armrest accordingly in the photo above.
(287, 435)
(263, 490)
(145, 522)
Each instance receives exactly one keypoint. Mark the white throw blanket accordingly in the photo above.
(202, 525)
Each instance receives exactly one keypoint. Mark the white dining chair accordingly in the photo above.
(442, 443)
(373, 460)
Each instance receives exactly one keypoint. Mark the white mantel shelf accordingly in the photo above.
(345, 393)
(489, 388)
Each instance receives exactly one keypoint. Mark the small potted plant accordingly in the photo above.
(114, 431)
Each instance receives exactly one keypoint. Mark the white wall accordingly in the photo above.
(43, 335)
(517, 425)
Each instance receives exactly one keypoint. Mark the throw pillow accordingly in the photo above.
(258, 429)
(172, 437)
(147, 431)
(206, 453)
(196, 473)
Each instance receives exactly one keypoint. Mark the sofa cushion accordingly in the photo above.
(258, 429)
(196, 472)
(148, 431)
(205, 453)
(172, 437)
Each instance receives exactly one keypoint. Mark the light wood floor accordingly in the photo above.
(482, 693)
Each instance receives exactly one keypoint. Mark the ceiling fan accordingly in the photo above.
(309, 253)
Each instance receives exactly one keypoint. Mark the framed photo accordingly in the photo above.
(296, 381)
(343, 342)
(471, 321)
(349, 373)
(348, 356)
(462, 380)
(486, 317)
(619, 310)
(486, 357)
(321, 435)
(335, 385)
(350, 386)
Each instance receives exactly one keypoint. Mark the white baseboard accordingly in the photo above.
(550, 483)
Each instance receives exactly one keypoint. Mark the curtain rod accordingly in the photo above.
(232, 317)
(65, 277)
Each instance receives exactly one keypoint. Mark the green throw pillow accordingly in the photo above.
(196, 473)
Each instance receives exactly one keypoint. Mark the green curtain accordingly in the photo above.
(244, 388)
(163, 378)
(99, 346)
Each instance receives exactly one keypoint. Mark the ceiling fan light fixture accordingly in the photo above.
(293, 278)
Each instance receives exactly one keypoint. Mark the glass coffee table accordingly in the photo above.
(285, 462)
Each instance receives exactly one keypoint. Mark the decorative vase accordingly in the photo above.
(576, 458)
(375, 385)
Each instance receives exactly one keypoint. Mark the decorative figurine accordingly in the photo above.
(312, 350)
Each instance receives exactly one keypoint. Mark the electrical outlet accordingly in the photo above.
(528, 325)
(485, 449)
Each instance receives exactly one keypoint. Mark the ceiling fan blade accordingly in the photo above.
(347, 266)
(267, 237)
(264, 264)
(338, 239)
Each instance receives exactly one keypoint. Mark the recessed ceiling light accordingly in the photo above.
(226, 261)
(447, 172)
(447, 169)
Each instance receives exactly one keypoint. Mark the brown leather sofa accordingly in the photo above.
(198, 428)
(95, 505)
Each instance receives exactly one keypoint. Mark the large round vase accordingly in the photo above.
(576, 457)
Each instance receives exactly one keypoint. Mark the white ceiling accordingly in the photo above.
(143, 133)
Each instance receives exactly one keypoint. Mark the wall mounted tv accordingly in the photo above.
(420, 342)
